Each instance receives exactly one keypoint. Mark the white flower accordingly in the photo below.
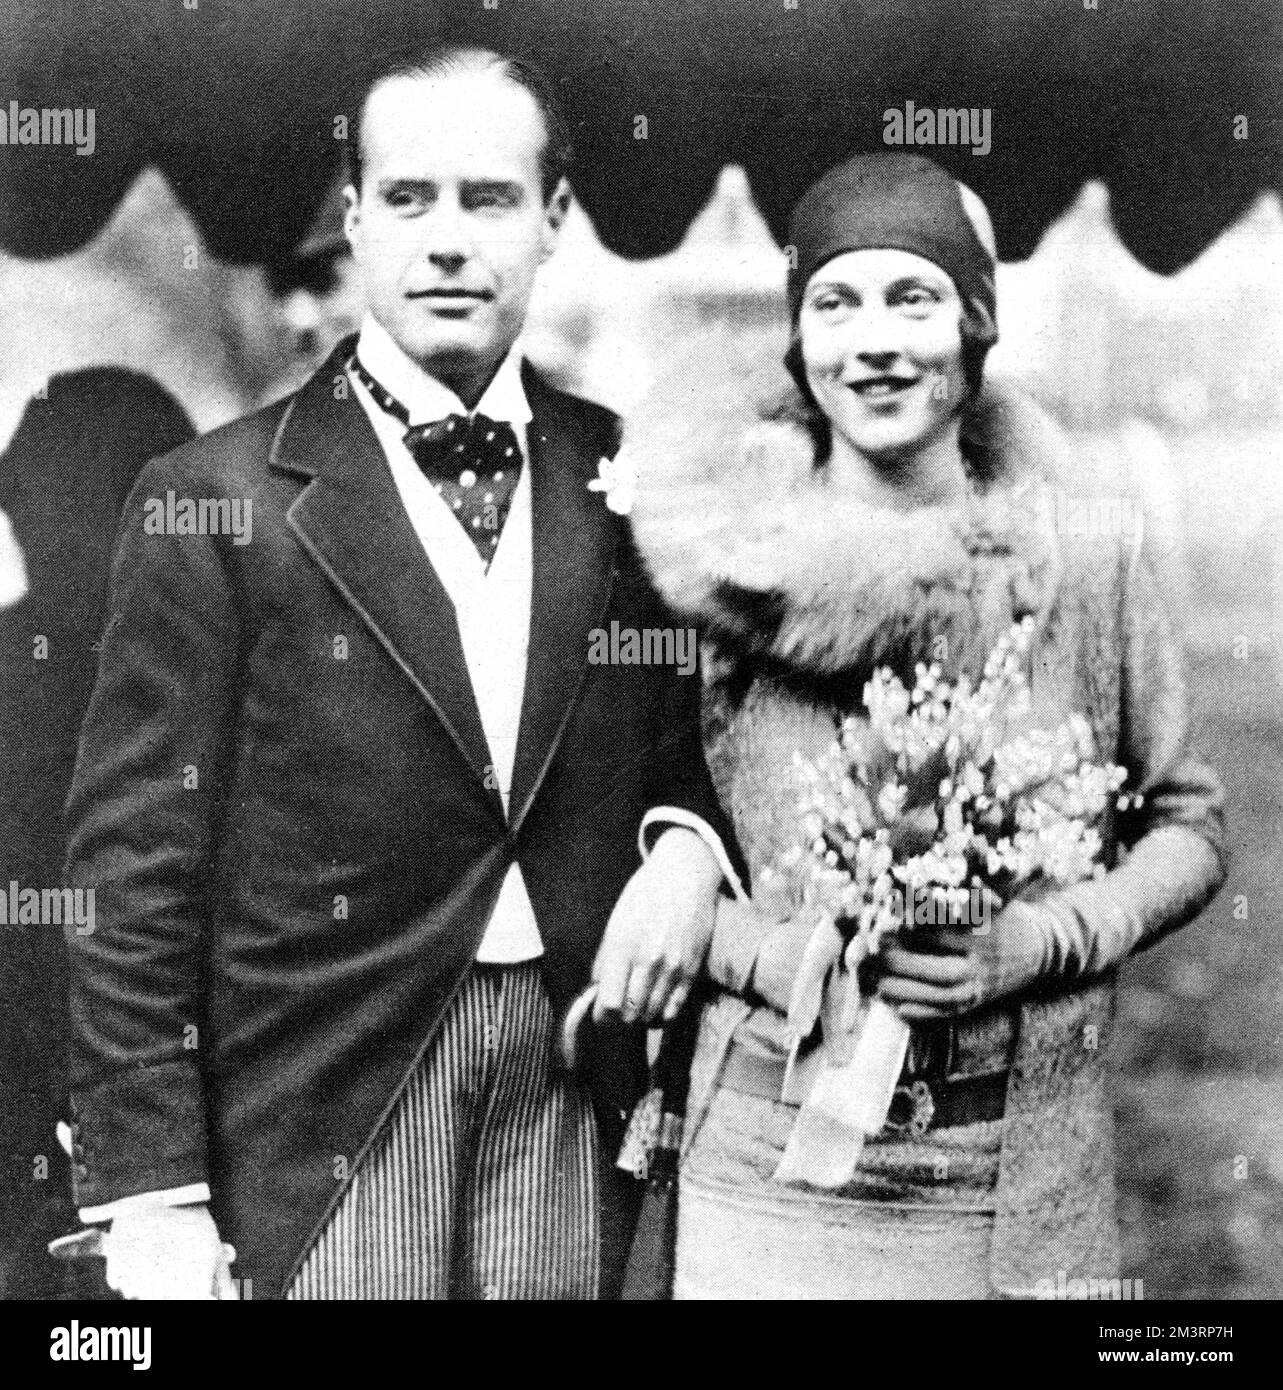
(891, 799)
(617, 478)
(1037, 793)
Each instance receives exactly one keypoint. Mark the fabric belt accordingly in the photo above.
(919, 1104)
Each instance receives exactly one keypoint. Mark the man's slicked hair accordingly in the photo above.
(453, 60)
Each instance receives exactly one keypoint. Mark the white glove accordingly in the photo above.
(159, 1252)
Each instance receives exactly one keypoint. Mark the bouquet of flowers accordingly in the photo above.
(937, 811)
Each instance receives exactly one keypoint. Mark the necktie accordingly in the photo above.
(474, 463)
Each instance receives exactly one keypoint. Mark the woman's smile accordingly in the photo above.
(881, 342)
(882, 390)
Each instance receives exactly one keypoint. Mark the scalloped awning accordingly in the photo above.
(235, 102)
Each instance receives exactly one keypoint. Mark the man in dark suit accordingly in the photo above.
(361, 816)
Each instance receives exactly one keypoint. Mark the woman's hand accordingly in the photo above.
(778, 958)
(757, 948)
(966, 969)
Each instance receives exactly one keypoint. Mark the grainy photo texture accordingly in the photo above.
(641, 649)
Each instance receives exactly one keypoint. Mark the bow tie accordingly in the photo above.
(474, 463)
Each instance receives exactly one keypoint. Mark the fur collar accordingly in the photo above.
(743, 534)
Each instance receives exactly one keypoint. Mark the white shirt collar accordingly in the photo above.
(428, 399)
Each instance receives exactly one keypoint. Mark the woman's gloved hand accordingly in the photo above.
(951, 971)
(756, 949)
(778, 957)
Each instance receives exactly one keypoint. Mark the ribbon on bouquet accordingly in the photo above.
(843, 1068)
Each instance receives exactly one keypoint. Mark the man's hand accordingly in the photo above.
(159, 1252)
(659, 932)
(967, 969)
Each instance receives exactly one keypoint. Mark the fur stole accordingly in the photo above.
(744, 535)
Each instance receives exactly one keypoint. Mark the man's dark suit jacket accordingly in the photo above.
(295, 852)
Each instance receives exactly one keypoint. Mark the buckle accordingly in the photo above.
(917, 1109)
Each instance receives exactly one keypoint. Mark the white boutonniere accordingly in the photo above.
(617, 478)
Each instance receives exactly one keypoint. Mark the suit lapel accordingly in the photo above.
(574, 539)
(350, 520)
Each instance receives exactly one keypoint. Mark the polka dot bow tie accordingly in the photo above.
(473, 462)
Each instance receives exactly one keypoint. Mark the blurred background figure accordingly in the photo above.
(221, 338)
(63, 481)
(286, 316)
(64, 478)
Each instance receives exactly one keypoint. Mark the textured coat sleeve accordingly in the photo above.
(1174, 851)
(680, 775)
(141, 815)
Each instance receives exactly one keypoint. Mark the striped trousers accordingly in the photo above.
(483, 1182)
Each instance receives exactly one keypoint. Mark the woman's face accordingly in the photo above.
(882, 345)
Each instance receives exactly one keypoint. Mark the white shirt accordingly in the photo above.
(492, 607)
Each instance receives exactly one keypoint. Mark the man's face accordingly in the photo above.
(450, 225)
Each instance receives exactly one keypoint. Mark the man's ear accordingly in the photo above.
(555, 211)
(352, 219)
